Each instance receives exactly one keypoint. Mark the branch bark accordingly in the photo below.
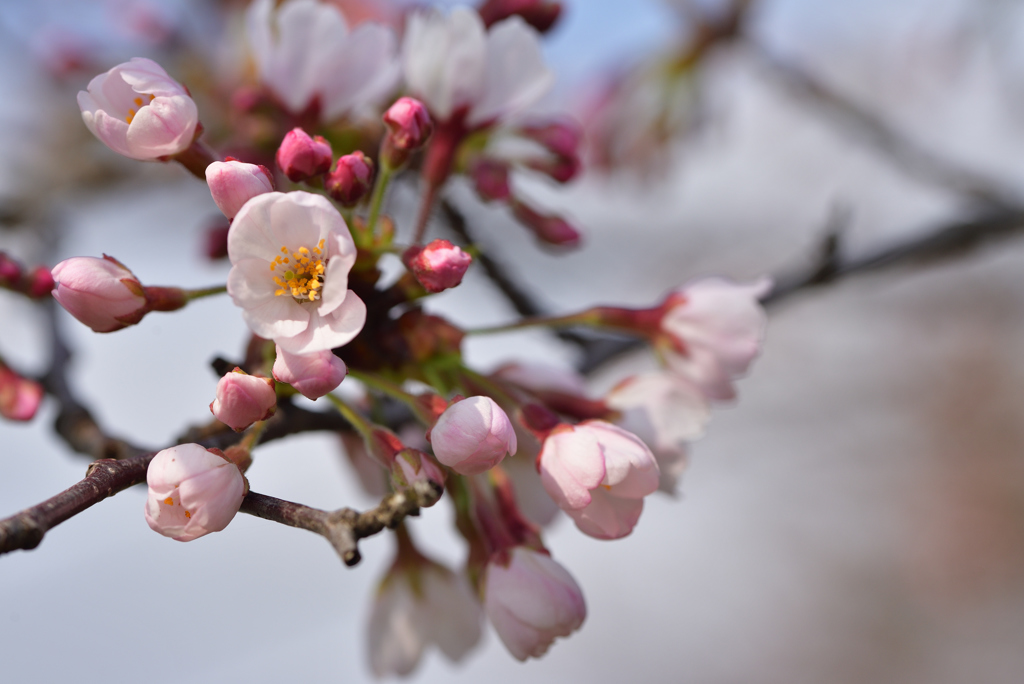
(344, 527)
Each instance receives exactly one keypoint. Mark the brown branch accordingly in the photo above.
(103, 479)
(344, 527)
(913, 158)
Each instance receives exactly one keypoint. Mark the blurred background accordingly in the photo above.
(857, 516)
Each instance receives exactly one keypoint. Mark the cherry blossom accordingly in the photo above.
(138, 111)
(438, 266)
(233, 183)
(101, 293)
(291, 254)
(531, 600)
(454, 64)
(599, 474)
(243, 399)
(714, 328)
(306, 54)
(312, 375)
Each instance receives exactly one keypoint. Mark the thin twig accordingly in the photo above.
(908, 155)
(344, 527)
(103, 479)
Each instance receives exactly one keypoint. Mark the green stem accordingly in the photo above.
(205, 292)
(424, 216)
(377, 202)
(392, 390)
(252, 437)
(362, 425)
(495, 389)
(588, 317)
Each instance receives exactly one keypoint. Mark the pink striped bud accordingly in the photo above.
(351, 179)
(312, 375)
(243, 399)
(192, 491)
(438, 266)
(233, 183)
(301, 157)
(473, 436)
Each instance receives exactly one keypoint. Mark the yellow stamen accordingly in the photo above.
(169, 501)
(187, 514)
(138, 101)
(304, 278)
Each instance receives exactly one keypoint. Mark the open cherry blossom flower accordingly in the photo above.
(599, 474)
(531, 600)
(291, 254)
(454, 64)
(138, 111)
(306, 54)
(715, 328)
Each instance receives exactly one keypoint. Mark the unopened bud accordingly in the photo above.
(19, 397)
(40, 282)
(490, 178)
(101, 293)
(233, 183)
(243, 399)
(301, 157)
(409, 128)
(312, 375)
(473, 436)
(351, 179)
(10, 271)
(438, 266)
(554, 230)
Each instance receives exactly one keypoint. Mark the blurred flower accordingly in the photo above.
(409, 123)
(300, 157)
(233, 183)
(455, 65)
(138, 111)
(599, 474)
(472, 436)
(291, 255)
(312, 375)
(713, 330)
(243, 399)
(551, 229)
(531, 600)
(101, 293)
(307, 56)
(420, 603)
(19, 397)
(192, 492)
(438, 266)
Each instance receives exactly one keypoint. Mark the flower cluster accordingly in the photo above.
(336, 112)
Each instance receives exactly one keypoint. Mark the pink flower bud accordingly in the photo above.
(40, 282)
(531, 600)
(411, 466)
(599, 474)
(351, 179)
(233, 183)
(19, 397)
(312, 375)
(490, 178)
(553, 230)
(409, 124)
(137, 110)
(301, 157)
(473, 436)
(438, 266)
(101, 293)
(243, 399)
(192, 492)
(714, 329)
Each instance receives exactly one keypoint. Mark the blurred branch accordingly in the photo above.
(103, 479)
(946, 242)
(344, 527)
(911, 157)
